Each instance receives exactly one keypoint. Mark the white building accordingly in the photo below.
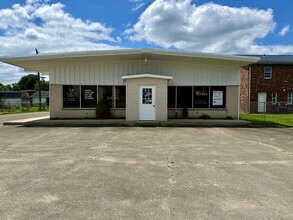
(140, 84)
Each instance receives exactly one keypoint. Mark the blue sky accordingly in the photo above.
(219, 26)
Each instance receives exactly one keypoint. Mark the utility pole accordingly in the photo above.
(39, 83)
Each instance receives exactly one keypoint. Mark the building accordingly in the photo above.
(140, 84)
(15, 99)
(267, 86)
(44, 98)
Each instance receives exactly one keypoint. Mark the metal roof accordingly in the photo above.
(44, 94)
(14, 94)
(273, 59)
(40, 62)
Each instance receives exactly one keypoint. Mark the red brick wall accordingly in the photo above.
(281, 83)
(244, 85)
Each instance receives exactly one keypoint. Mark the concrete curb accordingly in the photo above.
(45, 122)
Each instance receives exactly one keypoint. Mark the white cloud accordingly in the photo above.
(284, 30)
(39, 24)
(138, 4)
(209, 27)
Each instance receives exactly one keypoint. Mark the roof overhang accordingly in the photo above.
(136, 76)
(43, 62)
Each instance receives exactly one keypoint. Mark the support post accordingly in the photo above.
(39, 83)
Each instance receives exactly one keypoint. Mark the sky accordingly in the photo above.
(218, 26)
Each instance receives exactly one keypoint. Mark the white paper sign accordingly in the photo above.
(217, 98)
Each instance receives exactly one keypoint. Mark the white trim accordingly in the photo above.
(121, 52)
(136, 76)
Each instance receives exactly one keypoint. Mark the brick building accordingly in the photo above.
(140, 84)
(267, 86)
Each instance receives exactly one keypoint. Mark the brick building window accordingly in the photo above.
(289, 98)
(274, 98)
(267, 72)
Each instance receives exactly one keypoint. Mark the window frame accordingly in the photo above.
(82, 97)
(202, 90)
(187, 99)
(274, 98)
(268, 74)
(213, 89)
(64, 101)
(289, 98)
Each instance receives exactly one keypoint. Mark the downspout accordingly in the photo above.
(239, 102)
(249, 86)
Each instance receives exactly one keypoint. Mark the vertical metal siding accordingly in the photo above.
(110, 73)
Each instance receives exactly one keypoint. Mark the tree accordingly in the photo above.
(15, 87)
(7, 87)
(28, 82)
(44, 85)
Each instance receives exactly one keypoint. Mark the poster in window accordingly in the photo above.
(217, 98)
(89, 96)
(71, 96)
(201, 97)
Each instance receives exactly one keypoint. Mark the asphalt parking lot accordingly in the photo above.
(146, 173)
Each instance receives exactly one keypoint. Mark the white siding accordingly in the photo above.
(110, 73)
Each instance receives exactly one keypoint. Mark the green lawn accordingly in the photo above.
(21, 110)
(269, 119)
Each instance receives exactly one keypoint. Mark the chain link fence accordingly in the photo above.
(270, 108)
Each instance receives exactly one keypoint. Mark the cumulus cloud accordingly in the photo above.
(284, 30)
(209, 27)
(39, 24)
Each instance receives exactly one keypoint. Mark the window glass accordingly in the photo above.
(171, 96)
(184, 96)
(274, 98)
(88, 96)
(289, 98)
(120, 95)
(147, 96)
(267, 72)
(218, 97)
(71, 96)
(201, 97)
(108, 92)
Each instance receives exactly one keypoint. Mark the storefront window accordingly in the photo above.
(88, 96)
(120, 96)
(71, 96)
(218, 97)
(201, 97)
(108, 92)
(171, 96)
(184, 96)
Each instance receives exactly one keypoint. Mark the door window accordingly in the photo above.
(147, 96)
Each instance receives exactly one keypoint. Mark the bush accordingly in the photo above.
(103, 110)
(205, 116)
(184, 112)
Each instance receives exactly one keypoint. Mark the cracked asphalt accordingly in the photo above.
(146, 173)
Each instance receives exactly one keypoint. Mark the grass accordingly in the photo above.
(269, 119)
(21, 110)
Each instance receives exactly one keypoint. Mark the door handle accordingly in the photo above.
(154, 105)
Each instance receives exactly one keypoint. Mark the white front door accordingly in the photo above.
(147, 100)
(261, 102)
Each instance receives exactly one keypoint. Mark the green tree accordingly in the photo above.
(28, 82)
(7, 87)
(15, 87)
(1, 87)
(44, 85)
